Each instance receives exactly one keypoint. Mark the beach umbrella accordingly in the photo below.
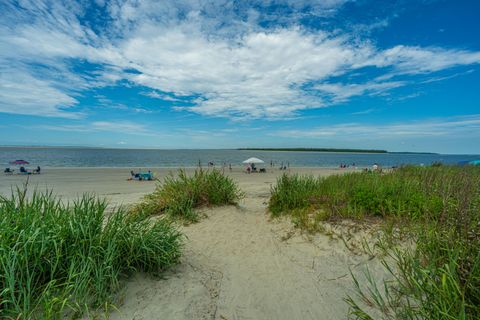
(253, 160)
(19, 162)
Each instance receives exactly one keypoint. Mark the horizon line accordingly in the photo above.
(239, 149)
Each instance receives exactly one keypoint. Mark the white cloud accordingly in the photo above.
(423, 60)
(367, 111)
(21, 93)
(426, 128)
(220, 17)
(107, 126)
(161, 96)
(337, 92)
(436, 79)
(211, 50)
(127, 127)
(257, 77)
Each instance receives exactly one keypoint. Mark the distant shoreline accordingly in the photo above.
(331, 150)
(317, 150)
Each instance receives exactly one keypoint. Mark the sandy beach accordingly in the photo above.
(112, 183)
(237, 262)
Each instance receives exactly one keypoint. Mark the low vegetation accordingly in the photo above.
(439, 276)
(179, 195)
(61, 260)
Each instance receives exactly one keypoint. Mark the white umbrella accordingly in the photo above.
(253, 160)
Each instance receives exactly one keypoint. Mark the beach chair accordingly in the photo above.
(146, 176)
(24, 171)
(8, 171)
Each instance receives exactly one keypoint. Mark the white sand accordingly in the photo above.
(236, 264)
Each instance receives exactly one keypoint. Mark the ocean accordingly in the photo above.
(143, 158)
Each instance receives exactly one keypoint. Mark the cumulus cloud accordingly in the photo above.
(218, 52)
(257, 77)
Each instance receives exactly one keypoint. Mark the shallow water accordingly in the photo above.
(85, 157)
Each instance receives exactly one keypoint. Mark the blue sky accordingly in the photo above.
(396, 75)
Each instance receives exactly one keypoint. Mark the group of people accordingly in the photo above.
(375, 167)
(22, 170)
(249, 168)
(212, 165)
(283, 166)
(253, 168)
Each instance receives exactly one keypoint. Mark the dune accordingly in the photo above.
(237, 262)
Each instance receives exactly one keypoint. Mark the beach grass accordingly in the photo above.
(64, 260)
(438, 277)
(179, 195)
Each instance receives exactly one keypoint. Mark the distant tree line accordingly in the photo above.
(317, 150)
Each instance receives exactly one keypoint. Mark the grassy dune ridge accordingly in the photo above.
(439, 278)
(179, 195)
(60, 259)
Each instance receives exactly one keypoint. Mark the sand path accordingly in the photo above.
(237, 265)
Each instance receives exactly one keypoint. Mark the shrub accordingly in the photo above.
(179, 195)
(58, 259)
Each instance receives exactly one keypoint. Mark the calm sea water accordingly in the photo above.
(84, 157)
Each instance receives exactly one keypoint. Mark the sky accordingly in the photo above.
(396, 75)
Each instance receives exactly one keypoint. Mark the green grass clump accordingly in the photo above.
(409, 192)
(61, 260)
(178, 196)
(438, 277)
